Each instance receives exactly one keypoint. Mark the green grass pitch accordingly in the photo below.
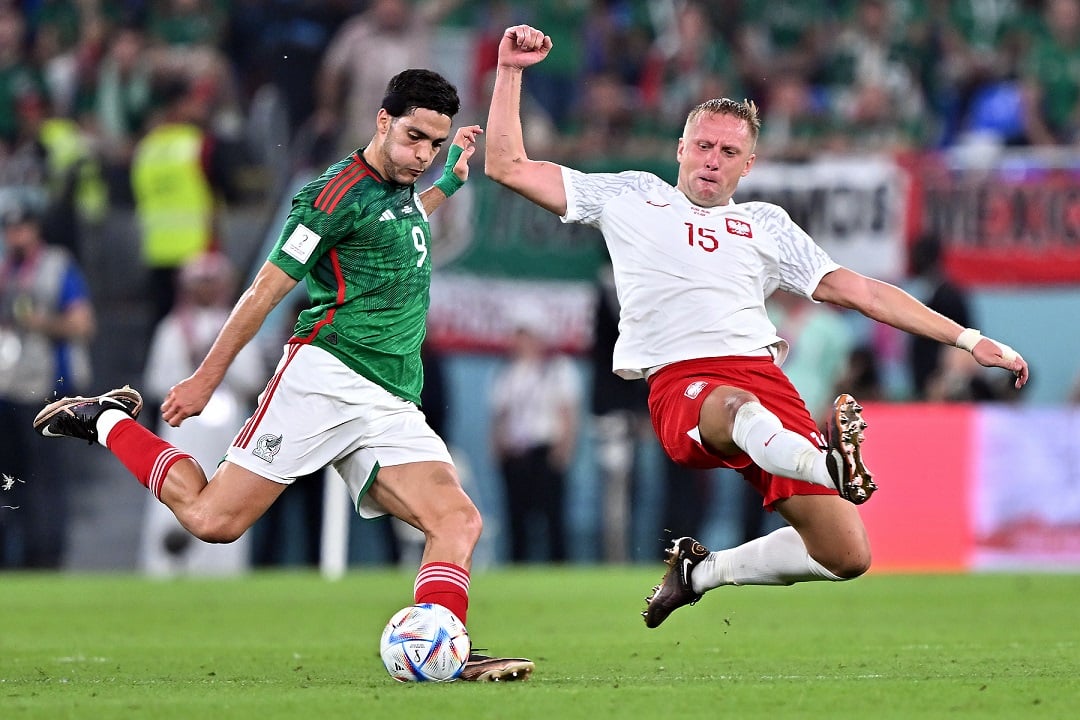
(291, 645)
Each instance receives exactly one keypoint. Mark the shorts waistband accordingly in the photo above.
(696, 365)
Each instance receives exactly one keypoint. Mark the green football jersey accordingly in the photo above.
(361, 244)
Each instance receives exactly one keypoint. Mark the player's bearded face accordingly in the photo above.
(715, 152)
(410, 143)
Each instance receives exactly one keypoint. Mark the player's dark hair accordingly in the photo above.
(414, 88)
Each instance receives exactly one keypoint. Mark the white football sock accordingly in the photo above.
(779, 558)
(106, 421)
(776, 450)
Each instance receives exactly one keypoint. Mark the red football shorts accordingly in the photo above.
(677, 391)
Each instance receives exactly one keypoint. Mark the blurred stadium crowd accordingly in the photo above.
(83, 77)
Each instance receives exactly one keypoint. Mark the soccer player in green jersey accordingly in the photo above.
(346, 391)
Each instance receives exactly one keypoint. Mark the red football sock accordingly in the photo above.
(147, 456)
(446, 584)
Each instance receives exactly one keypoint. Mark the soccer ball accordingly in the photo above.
(424, 643)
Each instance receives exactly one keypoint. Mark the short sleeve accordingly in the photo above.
(802, 261)
(305, 237)
(588, 193)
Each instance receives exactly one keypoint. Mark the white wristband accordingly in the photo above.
(968, 339)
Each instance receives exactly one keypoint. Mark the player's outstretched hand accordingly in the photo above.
(465, 138)
(522, 46)
(991, 354)
(186, 398)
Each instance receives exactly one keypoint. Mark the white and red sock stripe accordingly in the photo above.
(160, 470)
(144, 454)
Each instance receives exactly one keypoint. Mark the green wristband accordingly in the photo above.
(450, 183)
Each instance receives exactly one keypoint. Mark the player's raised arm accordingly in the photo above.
(505, 159)
(456, 169)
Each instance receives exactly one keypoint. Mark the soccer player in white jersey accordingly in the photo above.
(692, 271)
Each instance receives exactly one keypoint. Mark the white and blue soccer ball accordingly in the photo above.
(424, 643)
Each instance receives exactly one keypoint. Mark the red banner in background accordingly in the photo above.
(1010, 220)
(477, 314)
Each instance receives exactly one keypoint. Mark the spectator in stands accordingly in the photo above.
(861, 375)
(797, 121)
(178, 178)
(70, 175)
(1051, 77)
(780, 39)
(605, 123)
(389, 36)
(688, 62)
(281, 43)
(557, 89)
(188, 22)
(18, 75)
(535, 400)
(875, 98)
(69, 39)
(206, 292)
(46, 320)
(933, 286)
(487, 32)
(187, 37)
(24, 160)
(980, 46)
(620, 424)
(114, 103)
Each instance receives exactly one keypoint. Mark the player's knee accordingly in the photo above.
(458, 525)
(727, 400)
(850, 565)
(218, 529)
(469, 524)
(717, 417)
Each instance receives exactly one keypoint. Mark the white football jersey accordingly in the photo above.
(692, 281)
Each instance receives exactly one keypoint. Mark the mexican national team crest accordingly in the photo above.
(267, 447)
(739, 227)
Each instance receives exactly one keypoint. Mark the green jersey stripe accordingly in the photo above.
(335, 262)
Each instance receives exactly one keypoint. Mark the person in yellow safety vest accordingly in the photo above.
(74, 168)
(175, 187)
(57, 159)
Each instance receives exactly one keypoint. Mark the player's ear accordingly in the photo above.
(383, 121)
(749, 164)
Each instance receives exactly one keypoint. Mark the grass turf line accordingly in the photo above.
(290, 645)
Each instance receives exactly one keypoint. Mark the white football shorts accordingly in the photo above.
(316, 412)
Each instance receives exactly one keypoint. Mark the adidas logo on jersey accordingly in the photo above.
(388, 215)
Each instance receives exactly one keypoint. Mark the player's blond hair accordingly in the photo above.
(746, 110)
